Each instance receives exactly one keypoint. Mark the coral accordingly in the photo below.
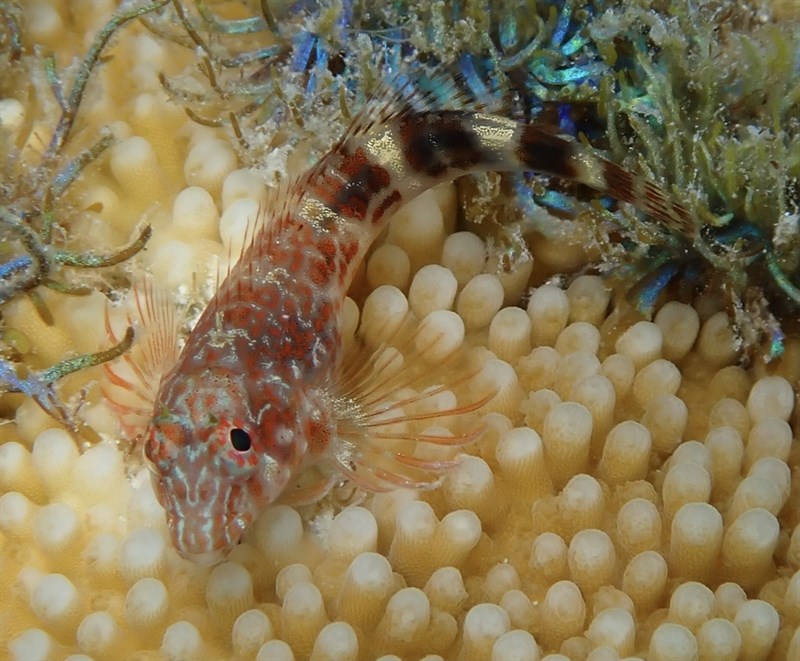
(632, 494)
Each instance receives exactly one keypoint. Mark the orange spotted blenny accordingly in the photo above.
(261, 391)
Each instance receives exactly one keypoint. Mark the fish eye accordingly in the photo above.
(240, 440)
(151, 465)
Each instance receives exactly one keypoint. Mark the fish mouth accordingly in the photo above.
(206, 552)
(206, 559)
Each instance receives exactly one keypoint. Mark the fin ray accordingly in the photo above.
(384, 407)
(132, 381)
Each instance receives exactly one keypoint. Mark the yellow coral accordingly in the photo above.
(585, 524)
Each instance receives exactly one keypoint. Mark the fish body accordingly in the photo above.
(253, 399)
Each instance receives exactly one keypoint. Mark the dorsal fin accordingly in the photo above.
(403, 94)
(259, 233)
(442, 87)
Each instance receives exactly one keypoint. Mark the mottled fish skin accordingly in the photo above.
(247, 406)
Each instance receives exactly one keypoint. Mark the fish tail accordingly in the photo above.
(408, 142)
(397, 149)
(445, 144)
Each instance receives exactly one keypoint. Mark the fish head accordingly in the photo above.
(206, 470)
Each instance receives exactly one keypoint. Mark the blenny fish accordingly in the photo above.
(260, 391)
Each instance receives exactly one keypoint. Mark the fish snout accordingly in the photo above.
(204, 540)
(208, 559)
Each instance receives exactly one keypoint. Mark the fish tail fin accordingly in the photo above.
(472, 134)
(538, 148)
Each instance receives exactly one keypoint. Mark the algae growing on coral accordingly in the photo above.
(710, 107)
(40, 163)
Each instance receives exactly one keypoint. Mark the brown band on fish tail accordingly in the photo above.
(541, 151)
(648, 197)
(620, 183)
(435, 142)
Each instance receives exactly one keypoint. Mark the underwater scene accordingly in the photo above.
(426, 330)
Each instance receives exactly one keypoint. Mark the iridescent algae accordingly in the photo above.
(693, 110)
(529, 558)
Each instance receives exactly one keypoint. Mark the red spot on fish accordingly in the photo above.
(319, 272)
(239, 316)
(389, 201)
(318, 436)
(351, 184)
(349, 250)
(322, 317)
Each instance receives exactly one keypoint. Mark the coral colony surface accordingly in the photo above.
(636, 492)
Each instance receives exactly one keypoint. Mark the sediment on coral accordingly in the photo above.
(632, 495)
